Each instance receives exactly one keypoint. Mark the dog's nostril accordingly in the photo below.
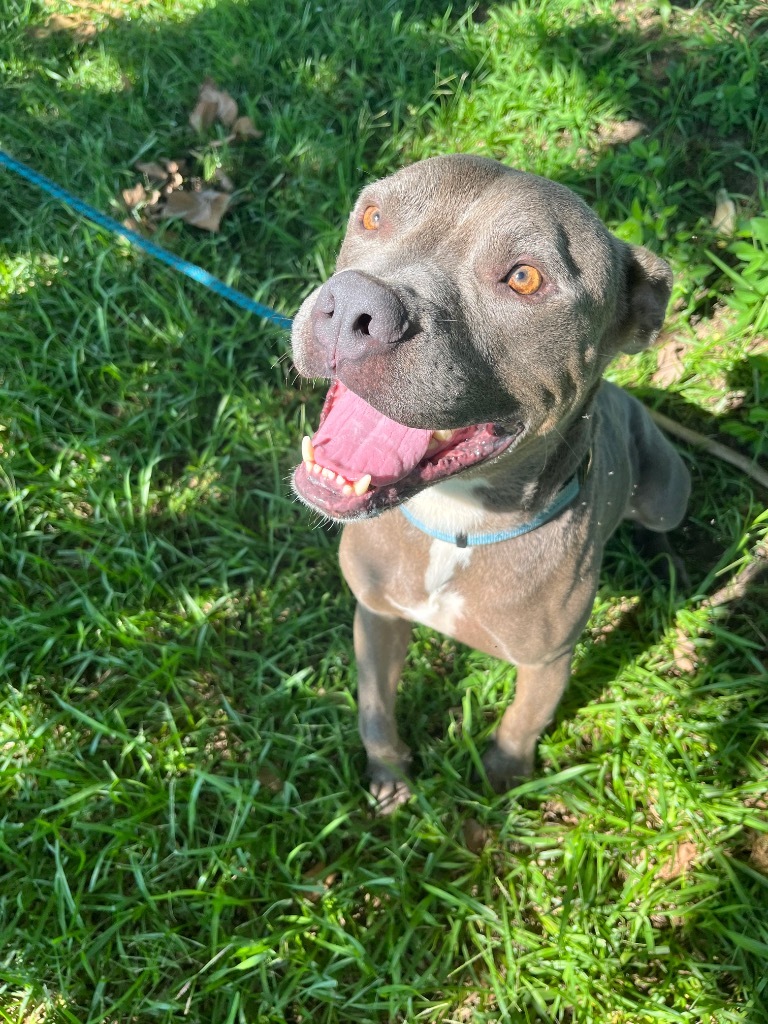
(363, 324)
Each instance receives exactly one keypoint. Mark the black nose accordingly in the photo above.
(354, 313)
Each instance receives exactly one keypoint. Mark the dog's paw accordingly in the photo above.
(504, 770)
(388, 785)
(389, 794)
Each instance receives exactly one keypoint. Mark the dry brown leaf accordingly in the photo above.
(153, 170)
(213, 104)
(686, 853)
(133, 196)
(201, 209)
(244, 128)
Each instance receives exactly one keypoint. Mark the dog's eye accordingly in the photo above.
(371, 218)
(524, 280)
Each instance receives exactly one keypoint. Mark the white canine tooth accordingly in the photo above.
(362, 485)
(307, 451)
(443, 435)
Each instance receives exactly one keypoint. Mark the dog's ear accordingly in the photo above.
(648, 285)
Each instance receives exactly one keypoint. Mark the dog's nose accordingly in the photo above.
(354, 313)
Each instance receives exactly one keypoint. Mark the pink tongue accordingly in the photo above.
(354, 439)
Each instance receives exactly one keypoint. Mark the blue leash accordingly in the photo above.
(183, 266)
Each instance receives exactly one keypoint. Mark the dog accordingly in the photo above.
(468, 441)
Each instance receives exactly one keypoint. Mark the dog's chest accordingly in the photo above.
(438, 598)
(440, 593)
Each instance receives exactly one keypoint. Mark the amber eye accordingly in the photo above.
(371, 218)
(524, 280)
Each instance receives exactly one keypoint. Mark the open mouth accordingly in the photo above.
(360, 462)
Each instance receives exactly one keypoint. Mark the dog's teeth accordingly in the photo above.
(307, 450)
(317, 470)
(328, 474)
(347, 490)
(443, 435)
(362, 485)
(340, 480)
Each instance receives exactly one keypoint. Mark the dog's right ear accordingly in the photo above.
(647, 287)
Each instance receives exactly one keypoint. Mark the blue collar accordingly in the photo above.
(470, 540)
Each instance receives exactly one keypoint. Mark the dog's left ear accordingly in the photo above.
(647, 285)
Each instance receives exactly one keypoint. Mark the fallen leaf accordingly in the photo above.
(244, 128)
(152, 170)
(175, 181)
(212, 104)
(133, 196)
(201, 209)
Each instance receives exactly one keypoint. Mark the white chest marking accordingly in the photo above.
(451, 506)
(442, 605)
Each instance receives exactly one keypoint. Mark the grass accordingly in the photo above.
(183, 830)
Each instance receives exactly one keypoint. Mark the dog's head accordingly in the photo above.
(472, 305)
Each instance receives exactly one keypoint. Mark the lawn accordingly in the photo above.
(184, 832)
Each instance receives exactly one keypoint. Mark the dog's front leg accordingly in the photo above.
(539, 688)
(380, 645)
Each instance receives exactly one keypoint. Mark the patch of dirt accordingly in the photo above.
(86, 21)
(758, 856)
(616, 133)
(670, 361)
(80, 27)
(685, 856)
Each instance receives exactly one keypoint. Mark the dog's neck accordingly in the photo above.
(515, 488)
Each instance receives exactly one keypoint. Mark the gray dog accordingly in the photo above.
(468, 440)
